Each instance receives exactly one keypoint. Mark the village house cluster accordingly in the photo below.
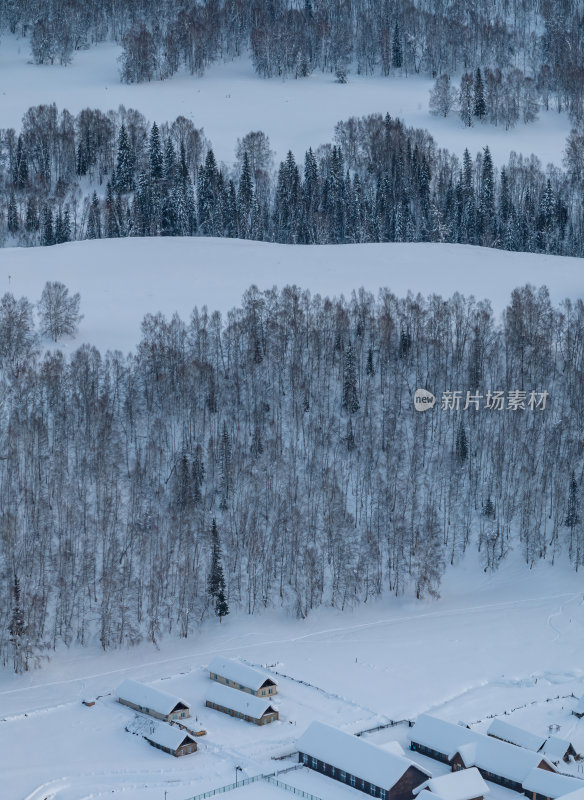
(238, 690)
(507, 755)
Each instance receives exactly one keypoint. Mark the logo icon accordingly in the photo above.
(423, 400)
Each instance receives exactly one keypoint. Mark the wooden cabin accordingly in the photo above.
(240, 676)
(153, 702)
(171, 739)
(557, 749)
(356, 762)
(241, 705)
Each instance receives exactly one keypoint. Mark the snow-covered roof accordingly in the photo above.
(147, 697)
(446, 737)
(555, 748)
(501, 758)
(461, 785)
(476, 749)
(576, 794)
(354, 755)
(166, 735)
(551, 784)
(426, 794)
(241, 702)
(240, 673)
(511, 733)
(392, 747)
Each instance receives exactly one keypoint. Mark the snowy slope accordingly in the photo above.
(121, 280)
(230, 100)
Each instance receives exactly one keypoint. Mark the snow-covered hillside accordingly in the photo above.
(121, 280)
(231, 100)
(494, 643)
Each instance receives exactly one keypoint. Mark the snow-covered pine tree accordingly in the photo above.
(479, 104)
(350, 396)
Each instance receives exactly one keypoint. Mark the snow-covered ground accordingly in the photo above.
(493, 643)
(121, 280)
(230, 100)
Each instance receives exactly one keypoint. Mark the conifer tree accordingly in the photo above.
(208, 194)
(198, 476)
(155, 153)
(461, 447)
(94, 219)
(124, 181)
(350, 397)
(17, 630)
(216, 579)
(487, 200)
(20, 177)
(225, 455)
(12, 220)
(573, 512)
(479, 105)
(489, 508)
(170, 165)
(112, 229)
(245, 198)
(397, 57)
(370, 369)
(47, 233)
(465, 99)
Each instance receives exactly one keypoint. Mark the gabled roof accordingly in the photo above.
(237, 672)
(518, 736)
(476, 749)
(242, 702)
(501, 758)
(445, 737)
(392, 747)
(169, 736)
(464, 784)
(147, 697)
(551, 784)
(355, 755)
(556, 748)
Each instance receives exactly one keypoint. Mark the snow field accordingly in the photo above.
(230, 100)
(121, 280)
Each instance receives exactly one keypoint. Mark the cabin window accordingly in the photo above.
(333, 772)
(382, 794)
(363, 785)
(314, 763)
(342, 775)
(305, 760)
(263, 692)
(352, 780)
(372, 791)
